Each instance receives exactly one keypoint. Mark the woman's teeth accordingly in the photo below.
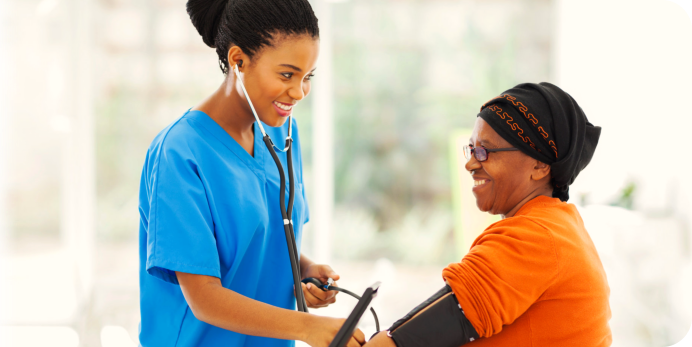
(282, 106)
(479, 182)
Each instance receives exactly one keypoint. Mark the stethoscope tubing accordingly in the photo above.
(291, 233)
(286, 212)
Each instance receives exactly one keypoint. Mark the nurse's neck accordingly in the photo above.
(231, 111)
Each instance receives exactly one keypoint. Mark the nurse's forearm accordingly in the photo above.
(211, 303)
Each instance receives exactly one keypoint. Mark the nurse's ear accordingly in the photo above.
(236, 57)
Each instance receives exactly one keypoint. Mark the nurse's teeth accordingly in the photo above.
(478, 183)
(283, 107)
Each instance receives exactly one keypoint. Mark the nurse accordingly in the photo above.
(214, 264)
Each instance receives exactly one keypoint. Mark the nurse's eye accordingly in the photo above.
(309, 77)
(288, 75)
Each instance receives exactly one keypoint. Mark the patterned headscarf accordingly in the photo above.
(547, 124)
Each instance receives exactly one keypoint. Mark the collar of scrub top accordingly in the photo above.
(252, 107)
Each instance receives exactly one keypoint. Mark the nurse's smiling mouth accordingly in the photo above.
(283, 109)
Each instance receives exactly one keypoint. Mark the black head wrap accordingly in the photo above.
(548, 125)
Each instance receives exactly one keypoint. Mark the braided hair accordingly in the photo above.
(249, 24)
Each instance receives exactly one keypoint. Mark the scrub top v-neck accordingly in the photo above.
(208, 207)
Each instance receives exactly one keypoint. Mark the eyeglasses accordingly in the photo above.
(481, 153)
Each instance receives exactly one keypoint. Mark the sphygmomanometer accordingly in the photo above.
(438, 321)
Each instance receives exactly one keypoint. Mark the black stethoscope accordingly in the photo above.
(286, 211)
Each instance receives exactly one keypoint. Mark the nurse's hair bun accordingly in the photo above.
(249, 24)
(205, 16)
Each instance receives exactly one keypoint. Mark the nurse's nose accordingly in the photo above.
(298, 92)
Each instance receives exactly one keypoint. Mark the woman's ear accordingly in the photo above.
(236, 56)
(541, 170)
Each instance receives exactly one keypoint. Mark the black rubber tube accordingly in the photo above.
(288, 229)
(291, 186)
(289, 208)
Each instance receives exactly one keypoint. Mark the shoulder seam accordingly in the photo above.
(154, 189)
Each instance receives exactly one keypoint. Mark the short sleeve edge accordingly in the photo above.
(165, 270)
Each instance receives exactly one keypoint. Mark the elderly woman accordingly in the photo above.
(534, 278)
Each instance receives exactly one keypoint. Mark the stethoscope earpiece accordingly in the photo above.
(240, 63)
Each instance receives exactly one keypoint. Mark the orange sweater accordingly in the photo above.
(534, 279)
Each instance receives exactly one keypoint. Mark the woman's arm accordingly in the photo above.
(211, 303)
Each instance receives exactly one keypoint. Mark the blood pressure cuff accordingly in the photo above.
(438, 321)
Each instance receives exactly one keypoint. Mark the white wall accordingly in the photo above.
(627, 63)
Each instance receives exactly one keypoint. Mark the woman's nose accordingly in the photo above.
(472, 164)
(297, 92)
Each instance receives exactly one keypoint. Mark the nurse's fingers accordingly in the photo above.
(312, 300)
(326, 271)
(359, 336)
(357, 340)
(321, 294)
(353, 343)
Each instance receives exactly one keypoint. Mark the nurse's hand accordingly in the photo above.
(323, 329)
(381, 340)
(316, 297)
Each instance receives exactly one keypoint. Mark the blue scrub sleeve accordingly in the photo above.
(180, 236)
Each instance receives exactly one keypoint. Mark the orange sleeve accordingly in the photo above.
(507, 269)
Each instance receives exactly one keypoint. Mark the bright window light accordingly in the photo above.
(115, 336)
(30, 336)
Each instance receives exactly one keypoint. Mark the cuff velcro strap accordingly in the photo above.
(439, 321)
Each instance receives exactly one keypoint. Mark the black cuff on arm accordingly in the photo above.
(438, 321)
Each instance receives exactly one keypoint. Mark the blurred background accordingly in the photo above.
(85, 85)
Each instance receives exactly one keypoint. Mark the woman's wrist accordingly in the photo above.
(308, 322)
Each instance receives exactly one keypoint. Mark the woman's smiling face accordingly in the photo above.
(278, 76)
(506, 179)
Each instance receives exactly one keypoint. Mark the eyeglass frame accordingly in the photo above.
(471, 151)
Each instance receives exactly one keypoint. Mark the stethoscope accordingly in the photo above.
(286, 211)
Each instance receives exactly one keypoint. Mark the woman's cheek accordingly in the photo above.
(274, 89)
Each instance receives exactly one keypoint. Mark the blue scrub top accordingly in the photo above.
(208, 207)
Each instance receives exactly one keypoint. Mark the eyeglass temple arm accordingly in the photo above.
(501, 149)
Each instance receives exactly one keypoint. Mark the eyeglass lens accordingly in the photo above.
(479, 152)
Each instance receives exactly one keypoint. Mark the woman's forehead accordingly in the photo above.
(299, 51)
(484, 135)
